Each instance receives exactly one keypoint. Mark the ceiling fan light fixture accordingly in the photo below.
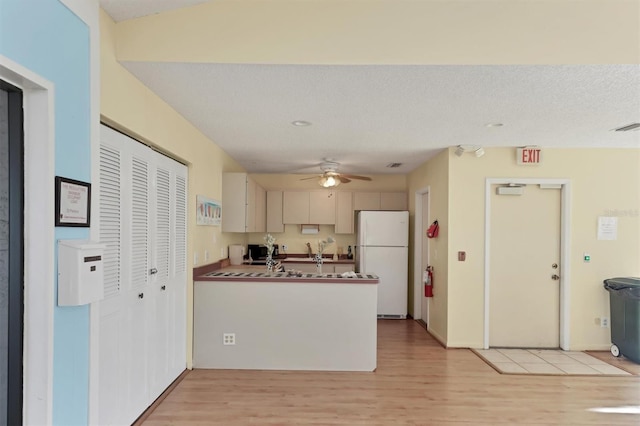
(329, 182)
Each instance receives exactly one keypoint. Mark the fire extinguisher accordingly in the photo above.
(428, 282)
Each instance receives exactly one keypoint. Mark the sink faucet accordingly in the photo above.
(309, 252)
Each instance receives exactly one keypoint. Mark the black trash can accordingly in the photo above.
(624, 299)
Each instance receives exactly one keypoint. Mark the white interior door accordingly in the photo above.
(524, 306)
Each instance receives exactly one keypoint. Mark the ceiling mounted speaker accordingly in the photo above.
(477, 150)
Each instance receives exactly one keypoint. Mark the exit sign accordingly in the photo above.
(529, 155)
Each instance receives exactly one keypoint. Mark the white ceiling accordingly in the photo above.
(121, 10)
(365, 117)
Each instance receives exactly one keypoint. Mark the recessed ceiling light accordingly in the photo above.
(495, 125)
(301, 123)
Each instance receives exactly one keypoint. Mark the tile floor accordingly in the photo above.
(547, 361)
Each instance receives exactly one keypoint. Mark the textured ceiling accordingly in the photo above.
(121, 10)
(365, 117)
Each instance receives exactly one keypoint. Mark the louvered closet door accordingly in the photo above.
(143, 223)
(169, 278)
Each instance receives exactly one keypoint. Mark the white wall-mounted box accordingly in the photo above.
(80, 272)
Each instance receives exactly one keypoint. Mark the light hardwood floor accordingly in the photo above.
(417, 383)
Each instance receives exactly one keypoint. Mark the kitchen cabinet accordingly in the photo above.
(243, 204)
(327, 267)
(393, 201)
(261, 209)
(307, 267)
(380, 201)
(309, 207)
(340, 268)
(322, 207)
(274, 212)
(295, 205)
(344, 212)
(366, 201)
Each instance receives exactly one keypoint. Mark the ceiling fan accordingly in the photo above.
(331, 178)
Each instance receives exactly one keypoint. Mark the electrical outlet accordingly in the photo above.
(604, 322)
(228, 339)
(284, 247)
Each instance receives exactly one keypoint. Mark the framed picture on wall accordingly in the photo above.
(73, 203)
(208, 211)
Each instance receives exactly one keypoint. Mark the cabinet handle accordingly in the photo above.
(164, 287)
(153, 271)
(140, 295)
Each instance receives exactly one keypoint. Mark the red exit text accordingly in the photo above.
(529, 155)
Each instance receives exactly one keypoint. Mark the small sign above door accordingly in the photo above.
(529, 155)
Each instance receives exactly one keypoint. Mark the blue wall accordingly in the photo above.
(47, 38)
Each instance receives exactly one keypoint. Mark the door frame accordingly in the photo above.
(417, 250)
(15, 305)
(39, 237)
(565, 251)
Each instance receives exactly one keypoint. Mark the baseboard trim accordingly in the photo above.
(437, 338)
(161, 398)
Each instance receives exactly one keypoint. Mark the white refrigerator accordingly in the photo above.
(383, 249)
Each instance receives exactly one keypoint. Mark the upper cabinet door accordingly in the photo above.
(393, 201)
(274, 211)
(250, 209)
(322, 207)
(344, 212)
(295, 206)
(234, 202)
(261, 209)
(366, 201)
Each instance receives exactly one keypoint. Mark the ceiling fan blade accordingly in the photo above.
(343, 179)
(312, 177)
(356, 177)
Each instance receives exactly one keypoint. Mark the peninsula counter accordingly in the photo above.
(283, 322)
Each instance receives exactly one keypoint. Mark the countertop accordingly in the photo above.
(258, 273)
(297, 258)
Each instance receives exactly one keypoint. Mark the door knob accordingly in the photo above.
(554, 266)
(555, 277)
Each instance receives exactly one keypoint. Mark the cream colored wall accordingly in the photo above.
(297, 242)
(603, 182)
(389, 32)
(435, 175)
(128, 105)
